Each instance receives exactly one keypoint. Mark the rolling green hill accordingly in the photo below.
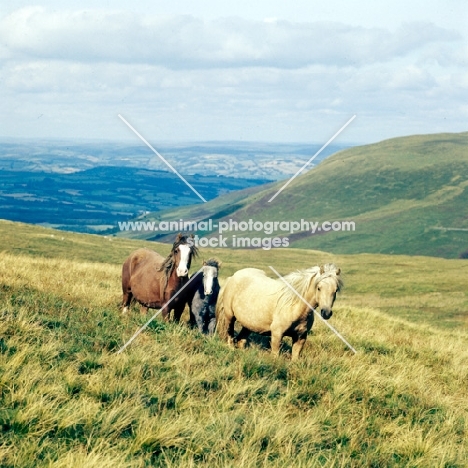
(406, 195)
(176, 398)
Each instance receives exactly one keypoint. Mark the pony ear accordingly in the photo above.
(338, 271)
(179, 236)
(192, 236)
(322, 270)
(204, 262)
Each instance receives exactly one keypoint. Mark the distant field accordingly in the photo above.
(175, 398)
(95, 200)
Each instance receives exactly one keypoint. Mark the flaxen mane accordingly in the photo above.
(300, 281)
(331, 270)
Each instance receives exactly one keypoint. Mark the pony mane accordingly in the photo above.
(330, 270)
(213, 262)
(301, 281)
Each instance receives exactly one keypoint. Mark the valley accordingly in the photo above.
(91, 186)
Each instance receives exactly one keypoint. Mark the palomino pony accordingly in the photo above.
(269, 306)
(204, 290)
(153, 280)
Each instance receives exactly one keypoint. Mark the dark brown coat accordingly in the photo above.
(153, 280)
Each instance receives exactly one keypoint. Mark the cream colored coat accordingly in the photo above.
(264, 305)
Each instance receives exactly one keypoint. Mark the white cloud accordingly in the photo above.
(181, 77)
(189, 42)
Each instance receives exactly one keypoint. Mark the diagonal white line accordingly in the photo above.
(160, 157)
(158, 312)
(312, 158)
(315, 312)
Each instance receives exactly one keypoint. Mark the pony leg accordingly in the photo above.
(192, 321)
(298, 344)
(178, 313)
(242, 337)
(126, 300)
(211, 320)
(276, 343)
(212, 326)
(165, 314)
(200, 321)
(230, 330)
(277, 333)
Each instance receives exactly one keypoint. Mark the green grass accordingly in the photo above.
(36, 241)
(396, 191)
(175, 398)
(421, 289)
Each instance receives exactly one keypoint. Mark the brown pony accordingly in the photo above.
(153, 280)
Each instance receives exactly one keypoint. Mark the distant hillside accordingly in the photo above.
(405, 195)
(241, 159)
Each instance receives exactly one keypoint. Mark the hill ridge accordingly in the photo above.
(408, 184)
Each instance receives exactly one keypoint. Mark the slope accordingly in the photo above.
(405, 195)
(175, 398)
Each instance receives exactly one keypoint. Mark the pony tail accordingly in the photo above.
(221, 328)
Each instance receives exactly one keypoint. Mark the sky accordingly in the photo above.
(209, 70)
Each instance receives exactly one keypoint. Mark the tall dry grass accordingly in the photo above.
(176, 398)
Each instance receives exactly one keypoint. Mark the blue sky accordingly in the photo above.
(259, 71)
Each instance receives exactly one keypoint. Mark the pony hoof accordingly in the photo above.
(124, 310)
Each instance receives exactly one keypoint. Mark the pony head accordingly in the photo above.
(327, 283)
(183, 249)
(210, 274)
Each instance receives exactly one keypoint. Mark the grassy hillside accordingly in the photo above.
(175, 398)
(406, 196)
(421, 289)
